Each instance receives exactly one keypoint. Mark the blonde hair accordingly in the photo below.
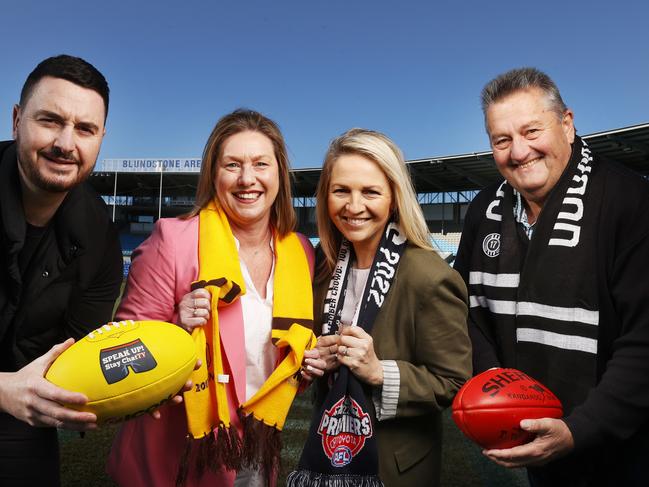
(384, 153)
(282, 215)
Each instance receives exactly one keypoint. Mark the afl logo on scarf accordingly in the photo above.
(491, 245)
(344, 428)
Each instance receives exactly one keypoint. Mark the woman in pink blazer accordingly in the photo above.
(245, 173)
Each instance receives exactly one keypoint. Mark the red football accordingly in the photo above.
(488, 409)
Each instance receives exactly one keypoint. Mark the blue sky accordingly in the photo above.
(413, 70)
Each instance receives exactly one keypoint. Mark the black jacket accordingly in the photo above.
(73, 279)
(611, 426)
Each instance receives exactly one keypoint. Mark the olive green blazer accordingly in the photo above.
(422, 326)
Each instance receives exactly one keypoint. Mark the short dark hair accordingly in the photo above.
(518, 80)
(69, 68)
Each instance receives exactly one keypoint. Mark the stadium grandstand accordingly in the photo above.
(139, 191)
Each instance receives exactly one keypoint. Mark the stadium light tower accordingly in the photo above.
(114, 195)
(160, 168)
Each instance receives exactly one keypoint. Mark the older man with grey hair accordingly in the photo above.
(556, 258)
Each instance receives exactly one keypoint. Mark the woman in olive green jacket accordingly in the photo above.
(417, 354)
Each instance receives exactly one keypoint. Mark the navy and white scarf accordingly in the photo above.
(341, 449)
(538, 299)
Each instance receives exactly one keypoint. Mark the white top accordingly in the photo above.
(354, 294)
(386, 397)
(261, 354)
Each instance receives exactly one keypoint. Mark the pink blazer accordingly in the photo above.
(146, 451)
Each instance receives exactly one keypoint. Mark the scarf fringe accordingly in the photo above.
(227, 450)
(183, 466)
(262, 445)
(220, 449)
(306, 478)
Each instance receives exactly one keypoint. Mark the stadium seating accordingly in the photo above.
(129, 243)
(446, 244)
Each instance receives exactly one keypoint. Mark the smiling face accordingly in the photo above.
(530, 142)
(247, 179)
(359, 203)
(58, 134)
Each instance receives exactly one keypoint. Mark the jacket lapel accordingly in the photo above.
(233, 344)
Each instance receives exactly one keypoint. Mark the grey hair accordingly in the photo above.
(521, 79)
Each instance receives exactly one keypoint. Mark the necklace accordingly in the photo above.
(354, 294)
(254, 251)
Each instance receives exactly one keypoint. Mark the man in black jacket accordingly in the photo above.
(555, 258)
(60, 260)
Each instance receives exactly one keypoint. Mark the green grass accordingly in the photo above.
(83, 459)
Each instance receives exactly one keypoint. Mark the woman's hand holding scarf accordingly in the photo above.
(327, 345)
(354, 348)
(194, 309)
(313, 365)
(356, 351)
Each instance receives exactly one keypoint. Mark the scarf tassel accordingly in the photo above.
(183, 467)
(306, 478)
(227, 449)
(202, 448)
(220, 449)
(262, 445)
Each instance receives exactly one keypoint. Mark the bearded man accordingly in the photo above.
(60, 260)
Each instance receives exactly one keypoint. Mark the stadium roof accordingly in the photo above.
(464, 172)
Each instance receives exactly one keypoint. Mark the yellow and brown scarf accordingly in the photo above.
(216, 443)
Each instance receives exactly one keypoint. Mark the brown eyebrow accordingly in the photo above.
(48, 114)
(253, 158)
(337, 183)
(59, 118)
(334, 184)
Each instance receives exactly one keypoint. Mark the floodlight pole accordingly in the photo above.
(160, 194)
(114, 195)
(443, 213)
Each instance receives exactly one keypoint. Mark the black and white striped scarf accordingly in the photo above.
(539, 299)
(341, 449)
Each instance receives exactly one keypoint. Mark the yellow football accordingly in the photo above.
(126, 368)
